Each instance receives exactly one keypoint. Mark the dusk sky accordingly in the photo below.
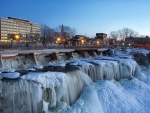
(87, 16)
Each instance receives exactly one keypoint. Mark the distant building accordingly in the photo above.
(15, 28)
(103, 38)
(79, 39)
(137, 40)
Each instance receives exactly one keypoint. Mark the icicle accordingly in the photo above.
(53, 97)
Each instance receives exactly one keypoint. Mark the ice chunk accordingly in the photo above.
(73, 63)
(10, 75)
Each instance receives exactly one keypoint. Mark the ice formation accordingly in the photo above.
(20, 96)
(110, 96)
(76, 82)
(48, 80)
(38, 92)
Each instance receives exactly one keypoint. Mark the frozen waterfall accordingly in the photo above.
(43, 89)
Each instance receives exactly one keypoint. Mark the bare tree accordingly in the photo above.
(135, 34)
(123, 33)
(71, 31)
(47, 34)
(114, 34)
(128, 33)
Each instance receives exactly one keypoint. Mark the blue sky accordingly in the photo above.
(87, 16)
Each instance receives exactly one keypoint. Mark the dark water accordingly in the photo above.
(67, 68)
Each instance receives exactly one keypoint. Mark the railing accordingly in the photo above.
(78, 47)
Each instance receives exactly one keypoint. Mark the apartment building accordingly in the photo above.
(18, 29)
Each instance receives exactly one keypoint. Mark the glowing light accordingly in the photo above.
(58, 39)
(82, 41)
(98, 42)
(17, 37)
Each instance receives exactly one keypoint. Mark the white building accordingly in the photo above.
(18, 29)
